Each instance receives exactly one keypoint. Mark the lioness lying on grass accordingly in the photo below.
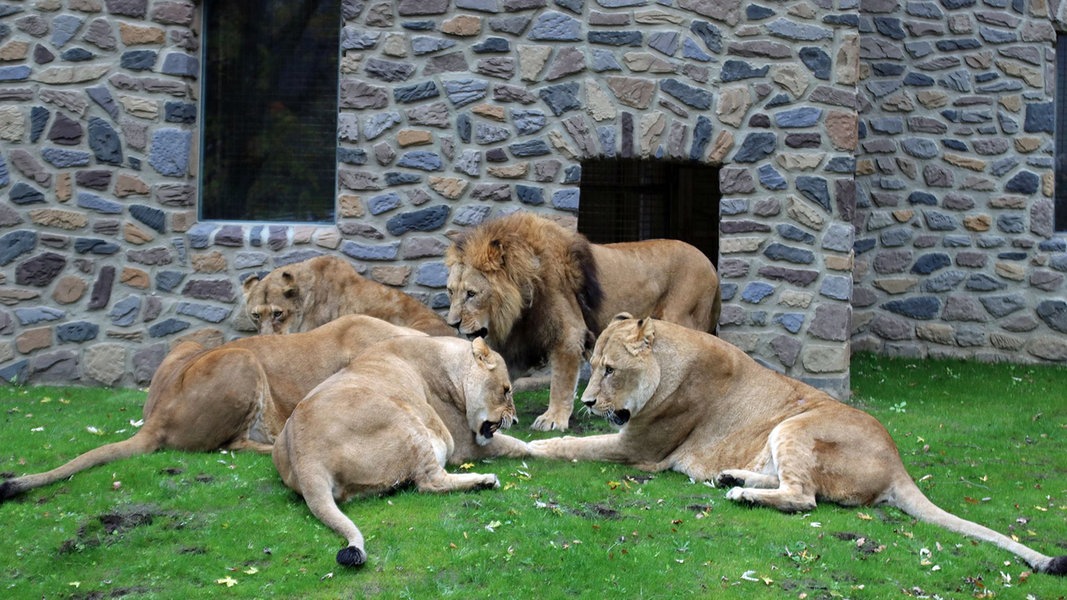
(236, 396)
(690, 402)
(394, 417)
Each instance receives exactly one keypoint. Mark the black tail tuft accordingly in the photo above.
(1057, 566)
(9, 490)
(351, 557)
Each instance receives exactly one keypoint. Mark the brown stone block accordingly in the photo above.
(69, 289)
(136, 235)
(351, 206)
(978, 222)
(210, 262)
(34, 339)
(462, 26)
(413, 137)
(133, 35)
(135, 278)
(15, 50)
(391, 275)
(130, 185)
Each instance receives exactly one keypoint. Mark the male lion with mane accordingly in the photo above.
(690, 402)
(235, 396)
(539, 292)
(396, 416)
(313, 292)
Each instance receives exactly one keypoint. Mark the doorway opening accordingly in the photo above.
(632, 199)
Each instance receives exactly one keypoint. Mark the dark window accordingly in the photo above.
(1061, 132)
(269, 147)
(631, 200)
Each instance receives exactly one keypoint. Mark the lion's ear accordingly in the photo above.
(495, 253)
(482, 353)
(643, 337)
(290, 290)
(249, 283)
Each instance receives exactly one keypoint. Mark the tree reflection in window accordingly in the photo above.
(269, 147)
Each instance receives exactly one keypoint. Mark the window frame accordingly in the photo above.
(309, 187)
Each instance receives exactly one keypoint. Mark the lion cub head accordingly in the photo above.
(487, 389)
(273, 303)
(625, 374)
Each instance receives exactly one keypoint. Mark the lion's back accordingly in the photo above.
(663, 278)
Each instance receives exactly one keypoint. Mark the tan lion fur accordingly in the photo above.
(396, 416)
(236, 396)
(540, 293)
(690, 402)
(313, 292)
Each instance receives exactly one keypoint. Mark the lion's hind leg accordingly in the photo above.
(786, 482)
(443, 481)
(745, 478)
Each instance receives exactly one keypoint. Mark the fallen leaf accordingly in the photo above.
(251, 571)
(864, 516)
(227, 581)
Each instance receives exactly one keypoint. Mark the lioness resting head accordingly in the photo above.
(395, 416)
(539, 292)
(693, 403)
(310, 293)
(234, 396)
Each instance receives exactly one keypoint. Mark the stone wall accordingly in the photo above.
(453, 111)
(955, 250)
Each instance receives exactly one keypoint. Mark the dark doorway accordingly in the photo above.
(631, 200)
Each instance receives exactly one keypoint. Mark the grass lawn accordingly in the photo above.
(987, 442)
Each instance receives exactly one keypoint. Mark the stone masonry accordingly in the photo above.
(886, 167)
(955, 250)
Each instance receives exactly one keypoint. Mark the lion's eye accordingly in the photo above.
(255, 317)
(277, 315)
(608, 370)
(471, 293)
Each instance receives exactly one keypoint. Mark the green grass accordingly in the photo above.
(987, 442)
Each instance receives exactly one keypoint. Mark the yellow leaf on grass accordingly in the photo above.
(251, 571)
(467, 466)
(227, 581)
(864, 516)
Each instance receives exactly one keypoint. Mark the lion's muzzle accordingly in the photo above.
(489, 428)
(481, 333)
(619, 417)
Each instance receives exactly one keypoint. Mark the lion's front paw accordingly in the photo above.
(737, 494)
(540, 448)
(489, 482)
(727, 479)
(551, 421)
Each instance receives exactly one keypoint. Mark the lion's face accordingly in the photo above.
(625, 374)
(472, 300)
(487, 389)
(273, 303)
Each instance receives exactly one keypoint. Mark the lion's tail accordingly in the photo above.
(320, 500)
(141, 442)
(909, 498)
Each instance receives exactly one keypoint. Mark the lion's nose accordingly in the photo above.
(589, 402)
